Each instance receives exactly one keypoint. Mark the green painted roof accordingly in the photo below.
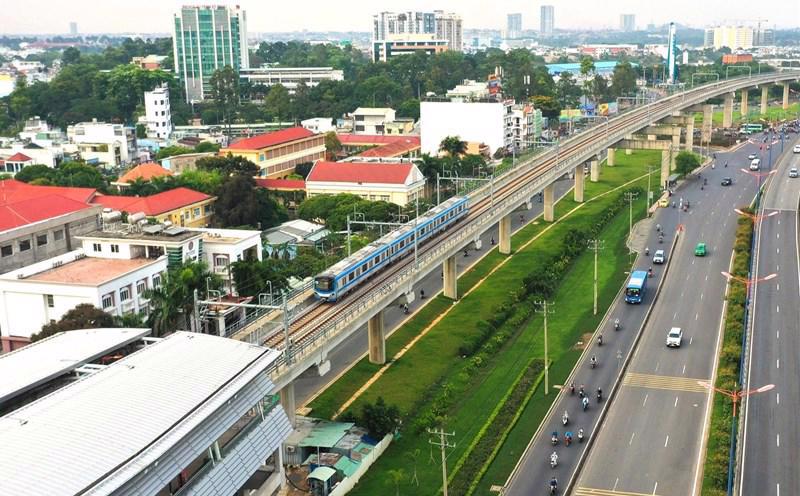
(322, 473)
(326, 434)
(347, 466)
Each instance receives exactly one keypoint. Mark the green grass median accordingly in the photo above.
(419, 383)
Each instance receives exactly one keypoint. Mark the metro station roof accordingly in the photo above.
(43, 361)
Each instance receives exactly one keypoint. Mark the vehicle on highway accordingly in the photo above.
(674, 337)
(751, 128)
(752, 156)
(347, 274)
(637, 285)
(793, 172)
(726, 181)
(659, 257)
(755, 164)
(700, 250)
(796, 149)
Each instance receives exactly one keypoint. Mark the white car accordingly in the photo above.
(796, 149)
(674, 337)
(752, 156)
(793, 172)
(659, 257)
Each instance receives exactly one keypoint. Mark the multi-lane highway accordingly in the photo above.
(772, 432)
(652, 440)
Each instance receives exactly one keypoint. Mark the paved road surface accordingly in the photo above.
(772, 432)
(651, 440)
(354, 347)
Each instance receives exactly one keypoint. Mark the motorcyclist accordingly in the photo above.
(599, 394)
(580, 392)
(726, 164)
(616, 324)
(554, 438)
(565, 418)
(600, 339)
(553, 459)
(568, 438)
(647, 251)
(658, 227)
(580, 435)
(585, 403)
(421, 294)
(593, 361)
(553, 485)
(572, 388)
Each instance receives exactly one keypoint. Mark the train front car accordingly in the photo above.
(324, 287)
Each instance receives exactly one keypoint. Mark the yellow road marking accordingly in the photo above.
(671, 383)
(591, 491)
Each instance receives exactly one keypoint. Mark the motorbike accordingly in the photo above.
(567, 439)
(599, 395)
(585, 404)
(554, 438)
(600, 340)
(617, 325)
(553, 460)
(572, 389)
(565, 419)
(593, 363)
(580, 435)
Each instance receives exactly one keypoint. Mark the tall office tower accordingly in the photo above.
(395, 33)
(514, 26)
(449, 27)
(672, 56)
(763, 37)
(207, 38)
(547, 20)
(73, 28)
(627, 22)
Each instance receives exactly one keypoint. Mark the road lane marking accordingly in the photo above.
(690, 339)
(645, 399)
(669, 383)
(592, 491)
(778, 235)
(777, 309)
(615, 484)
(675, 406)
(696, 316)
(674, 315)
(684, 369)
(657, 365)
(656, 486)
(706, 278)
(665, 445)
(701, 296)
(633, 435)
(778, 250)
(778, 440)
(777, 398)
(778, 288)
(777, 363)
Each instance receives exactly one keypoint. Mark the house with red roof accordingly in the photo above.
(180, 206)
(143, 172)
(395, 182)
(41, 222)
(380, 145)
(16, 162)
(278, 152)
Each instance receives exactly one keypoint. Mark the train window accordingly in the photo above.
(351, 276)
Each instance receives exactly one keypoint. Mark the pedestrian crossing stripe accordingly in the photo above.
(590, 491)
(670, 383)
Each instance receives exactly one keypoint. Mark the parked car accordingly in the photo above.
(674, 337)
(726, 181)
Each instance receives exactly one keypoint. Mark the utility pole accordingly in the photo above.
(443, 444)
(649, 191)
(544, 310)
(595, 245)
(629, 197)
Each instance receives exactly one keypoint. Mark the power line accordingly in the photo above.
(545, 310)
(443, 444)
(595, 245)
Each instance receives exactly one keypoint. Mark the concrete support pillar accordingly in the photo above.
(450, 281)
(689, 132)
(744, 108)
(727, 111)
(549, 203)
(505, 235)
(676, 142)
(377, 339)
(580, 179)
(612, 157)
(665, 165)
(786, 96)
(673, 152)
(764, 99)
(708, 120)
(628, 151)
(287, 402)
(594, 170)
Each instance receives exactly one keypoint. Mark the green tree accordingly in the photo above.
(277, 103)
(170, 151)
(332, 144)
(409, 108)
(686, 162)
(567, 90)
(237, 202)
(548, 105)
(70, 55)
(34, 172)
(141, 131)
(623, 81)
(587, 66)
(453, 146)
(379, 418)
(172, 304)
(79, 174)
(206, 147)
(225, 92)
(83, 316)
(228, 165)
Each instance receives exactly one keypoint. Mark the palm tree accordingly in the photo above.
(172, 304)
(453, 146)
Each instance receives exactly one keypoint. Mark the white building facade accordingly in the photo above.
(291, 77)
(101, 142)
(372, 120)
(480, 122)
(158, 113)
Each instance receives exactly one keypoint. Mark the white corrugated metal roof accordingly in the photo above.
(56, 355)
(102, 430)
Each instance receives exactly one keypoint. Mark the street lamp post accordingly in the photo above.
(629, 197)
(737, 394)
(758, 176)
(545, 310)
(595, 245)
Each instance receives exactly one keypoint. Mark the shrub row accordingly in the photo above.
(476, 460)
(715, 472)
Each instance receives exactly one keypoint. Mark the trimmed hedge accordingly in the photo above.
(715, 472)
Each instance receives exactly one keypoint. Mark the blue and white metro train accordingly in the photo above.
(345, 275)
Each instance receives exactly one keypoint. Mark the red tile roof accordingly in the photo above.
(145, 172)
(13, 190)
(19, 157)
(22, 204)
(271, 139)
(371, 139)
(360, 172)
(291, 184)
(157, 204)
(395, 149)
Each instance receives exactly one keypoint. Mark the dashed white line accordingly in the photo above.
(633, 435)
(690, 339)
(778, 235)
(706, 278)
(701, 296)
(778, 250)
(777, 334)
(645, 399)
(777, 440)
(615, 484)
(657, 364)
(655, 489)
(778, 287)
(666, 442)
(674, 406)
(683, 372)
(674, 315)
(777, 309)
(777, 398)
(696, 316)
(777, 363)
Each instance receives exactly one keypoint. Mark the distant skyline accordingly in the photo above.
(150, 16)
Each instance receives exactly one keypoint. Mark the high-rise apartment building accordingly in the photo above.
(733, 37)
(405, 32)
(627, 22)
(514, 26)
(547, 20)
(207, 38)
(763, 37)
(158, 112)
(73, 28)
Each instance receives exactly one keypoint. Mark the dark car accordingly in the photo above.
(727, 181)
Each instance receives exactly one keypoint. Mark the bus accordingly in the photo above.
(751, 128)
(637, 285)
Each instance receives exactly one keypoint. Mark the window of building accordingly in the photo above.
(108, 301)
(196, 212)
(220, 260)
(125, 293)
(156, 281)
(50, 302)
(141, 287)
(96, 247)
(41, 239)
(7, 250)
(260, 157)
(207, 209)
(58, 235)
(25, 245)
(114, 248)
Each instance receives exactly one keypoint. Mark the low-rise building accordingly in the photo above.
(104, 143)
(402, 147)
(372, 120)
(158, 113)
(143, 172)
(319, 125)
(477, 122)
(290, 77)
(223, 247)
(187, 414)
(395, 182)
(400, 126)
(277, 153)
(180, 206)
(283, 241)
(40, 222)
(16, 162)
(177, 164)
(48, 155)
(149, 62)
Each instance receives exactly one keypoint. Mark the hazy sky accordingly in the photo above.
(148, 16)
